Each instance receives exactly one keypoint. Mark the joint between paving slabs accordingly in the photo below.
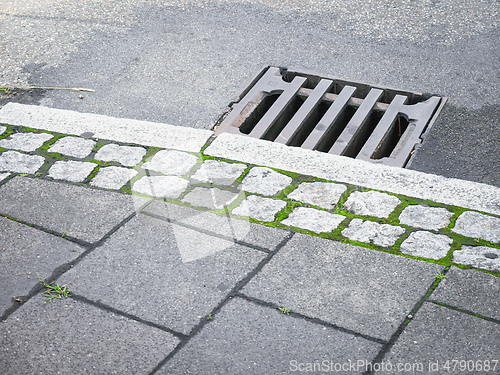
(318, 321)
(102, 306)
(451, 307)
(231, 294)
(407, 320)
(213, 234)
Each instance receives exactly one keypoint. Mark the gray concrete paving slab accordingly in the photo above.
(245, 338)
(25, 253)
(162, 272)
(227, 226)
(470, 290)
(363, 290)
(71, 337)
(439, 337)
(78, 211)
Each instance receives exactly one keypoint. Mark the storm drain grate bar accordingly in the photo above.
(334, 116)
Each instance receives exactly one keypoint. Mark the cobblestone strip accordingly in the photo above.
(329, 209)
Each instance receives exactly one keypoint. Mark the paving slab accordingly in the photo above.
(113, 177)
(259, 208)
(484, 257)
(70, 170)
(71, 337)
(437, 336)
(26, 252)
(171, 162)
(470, 290)
(426, 245)
(474, 224)
(264, 181)
(314, 220)
(321, 194)
(73, 146)
(13, 161)
(244, 338)
(219, 172)
(367, 291)
(84, 213)
(125, 155)
(227, 225)
(25, 141)
(371, 232)
(162, 272)
(372, 203)
(104, 127)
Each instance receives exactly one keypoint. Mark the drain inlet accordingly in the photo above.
(351, 119)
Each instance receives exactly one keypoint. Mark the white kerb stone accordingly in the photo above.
(219, 172)
(484, 257)
(73, 146)
(259, 208)
(161, 186)
(105, 127)
(265, 181)
(426, 245)
(113, 177)
(371, 203)
(476, 225)
(25, 141)
(171, 163)
(425, 217)
(13, 161)
(125, 155)
(370, 232)
(313, 220)
(74, 171)
(321, 194)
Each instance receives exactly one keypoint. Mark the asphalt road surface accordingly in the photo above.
(182, 62)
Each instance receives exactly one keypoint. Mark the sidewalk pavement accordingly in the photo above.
(190, 254)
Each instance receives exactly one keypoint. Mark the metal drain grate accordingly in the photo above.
(334, 116)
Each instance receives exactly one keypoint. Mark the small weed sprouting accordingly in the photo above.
(53, 291)
(210, 317)
(284, 310)
(440, 276)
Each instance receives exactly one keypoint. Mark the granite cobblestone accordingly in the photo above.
(263, 181)
(125, 155)
(73, 146)
(25, 141)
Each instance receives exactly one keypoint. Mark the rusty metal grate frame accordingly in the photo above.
(353, 119)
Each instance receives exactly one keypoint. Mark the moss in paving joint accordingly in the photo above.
(403, 237)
